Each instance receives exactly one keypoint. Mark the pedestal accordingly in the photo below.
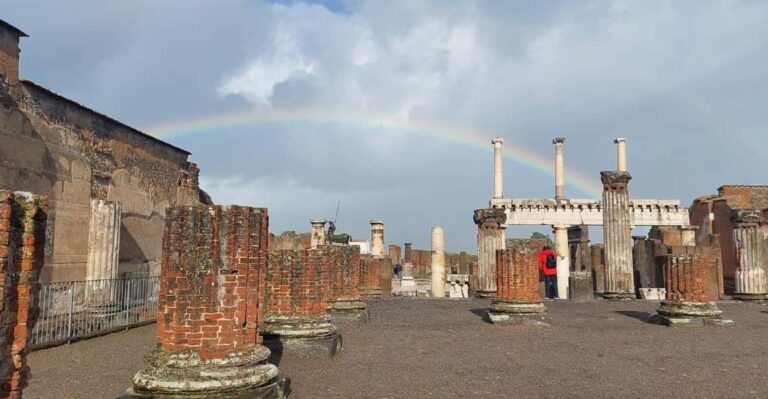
(675, 313)
(348, 310)
(303, 336)
(516, 312)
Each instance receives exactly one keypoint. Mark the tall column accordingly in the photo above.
(750, 273)
(438, 262)
(563, 260)
(617, 236)
(498, 170)
(318, 233)
(621, 154)
(103, 255)
(598, 267)
(518, 298)
(490, 237)
(407, 252)
(377, 238)
(559, 169)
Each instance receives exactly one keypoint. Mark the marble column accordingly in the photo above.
(498, 170)
(559, 169)
(563, 260)
(101, 265)
(318, 233)
(490, 237)
(377, 238)
(621, 154)
(750, 271)
(617, 236)
(438, 262)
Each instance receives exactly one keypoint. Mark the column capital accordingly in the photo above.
(490, 218)
(497, 140)
(613, 180)
(377, 222)
(320, 222)
(746, 217)
(620, 140)
(558, 140)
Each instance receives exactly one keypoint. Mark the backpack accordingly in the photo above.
(551, 261)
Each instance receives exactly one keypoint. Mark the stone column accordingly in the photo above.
(617, 236)
(377, 238)
(644, 263)
(518, 299)
(750, 271)
(688, 302)
(598, 267)
(563, 260)
(209, 307)
(490, 237)
(370, 267)
(103, 254)
(498, 170)
(296, 318)
(407, 252)
(621, 154)
(438, 262)
(559, 169)
(344, 302)
(318, 233)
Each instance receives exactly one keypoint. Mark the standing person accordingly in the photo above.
(548, 266)
(398, 270)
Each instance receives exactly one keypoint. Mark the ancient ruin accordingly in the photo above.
(518, 297)
(344, 301)
(490, 237)
(438, 263)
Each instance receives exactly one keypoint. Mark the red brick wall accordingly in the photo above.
(686, 277)
(297, 282)
(369, 271)
(517, 274)
(394, 253)
(22, 246)
(344, 266)
(212, 279)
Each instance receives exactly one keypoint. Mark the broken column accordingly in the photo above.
(498, 169)
(211, 294)
(598, 267)
(490, 237)
(518, 299)
(394, 253)
(438, 262)
(344, 302)
(377, 238)
(296, 319)
(370, 268)
(688, 302)
(563, 260)
(748, 237)
(103, 255)
(23, 219)
(617, 236)
(317, 236)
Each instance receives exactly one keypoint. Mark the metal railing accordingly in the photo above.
(73, 310)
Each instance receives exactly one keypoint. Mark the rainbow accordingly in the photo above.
(575, 179)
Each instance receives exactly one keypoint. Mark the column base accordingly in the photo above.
(184, 375)
(511, 312)
(618, 296)
(680, 313)
(749, 297)
(348, 309)
(304, 336)
(485, 294)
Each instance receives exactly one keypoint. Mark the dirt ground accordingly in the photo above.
(420, 348)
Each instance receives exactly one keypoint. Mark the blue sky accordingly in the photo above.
(684, 81)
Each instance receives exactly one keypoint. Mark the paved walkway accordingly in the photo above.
(421, 348)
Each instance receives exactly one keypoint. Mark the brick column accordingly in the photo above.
(344, 302)
(617, 236)
(750, 271)
(370, 268)
(688, 301)
(296, 318)
(209, 309)
(103, 255)
(518, 299)
(490, 237)
(596, 252)
(394, 253)
(22, 245)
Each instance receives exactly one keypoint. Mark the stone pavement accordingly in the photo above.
(443, 348)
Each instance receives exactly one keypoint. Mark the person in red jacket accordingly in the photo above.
(548, 266)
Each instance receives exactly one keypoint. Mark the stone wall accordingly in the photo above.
(22, 245)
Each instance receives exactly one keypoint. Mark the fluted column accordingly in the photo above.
(563, 260)
(490, 237)
(103, 252)
(750, 273)
(559, 169)
(498, 170)
(617, 236)
(377, 238)
(317, 237)
(438, 262)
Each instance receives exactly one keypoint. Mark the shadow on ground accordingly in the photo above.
(642, 316)
(482, 313)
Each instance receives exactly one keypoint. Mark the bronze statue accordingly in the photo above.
(337, 238)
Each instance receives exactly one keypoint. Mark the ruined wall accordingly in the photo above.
(344, 266)
(58, 148)
(297, 283)
(22, 244)
(290, 240)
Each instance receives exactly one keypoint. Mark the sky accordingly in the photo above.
(389, 106)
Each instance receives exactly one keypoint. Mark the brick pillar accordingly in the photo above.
(518, 298)
(408, 252)
(22, 245)
(394, 253)
(490, 237)
(344, 302)
(688, 301)
(644, 264)
(296, 318)
(103, 254)
(212, 286)
(617, 236)
(597, 252)
(369, 275)
(750, 271)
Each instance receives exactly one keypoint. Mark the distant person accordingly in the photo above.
(398, 270)
(548, 266)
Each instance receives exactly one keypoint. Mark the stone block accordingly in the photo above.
(580, 286)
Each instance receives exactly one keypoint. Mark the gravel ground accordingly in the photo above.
(418, 348)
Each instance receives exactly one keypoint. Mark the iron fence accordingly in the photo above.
(73, 310)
